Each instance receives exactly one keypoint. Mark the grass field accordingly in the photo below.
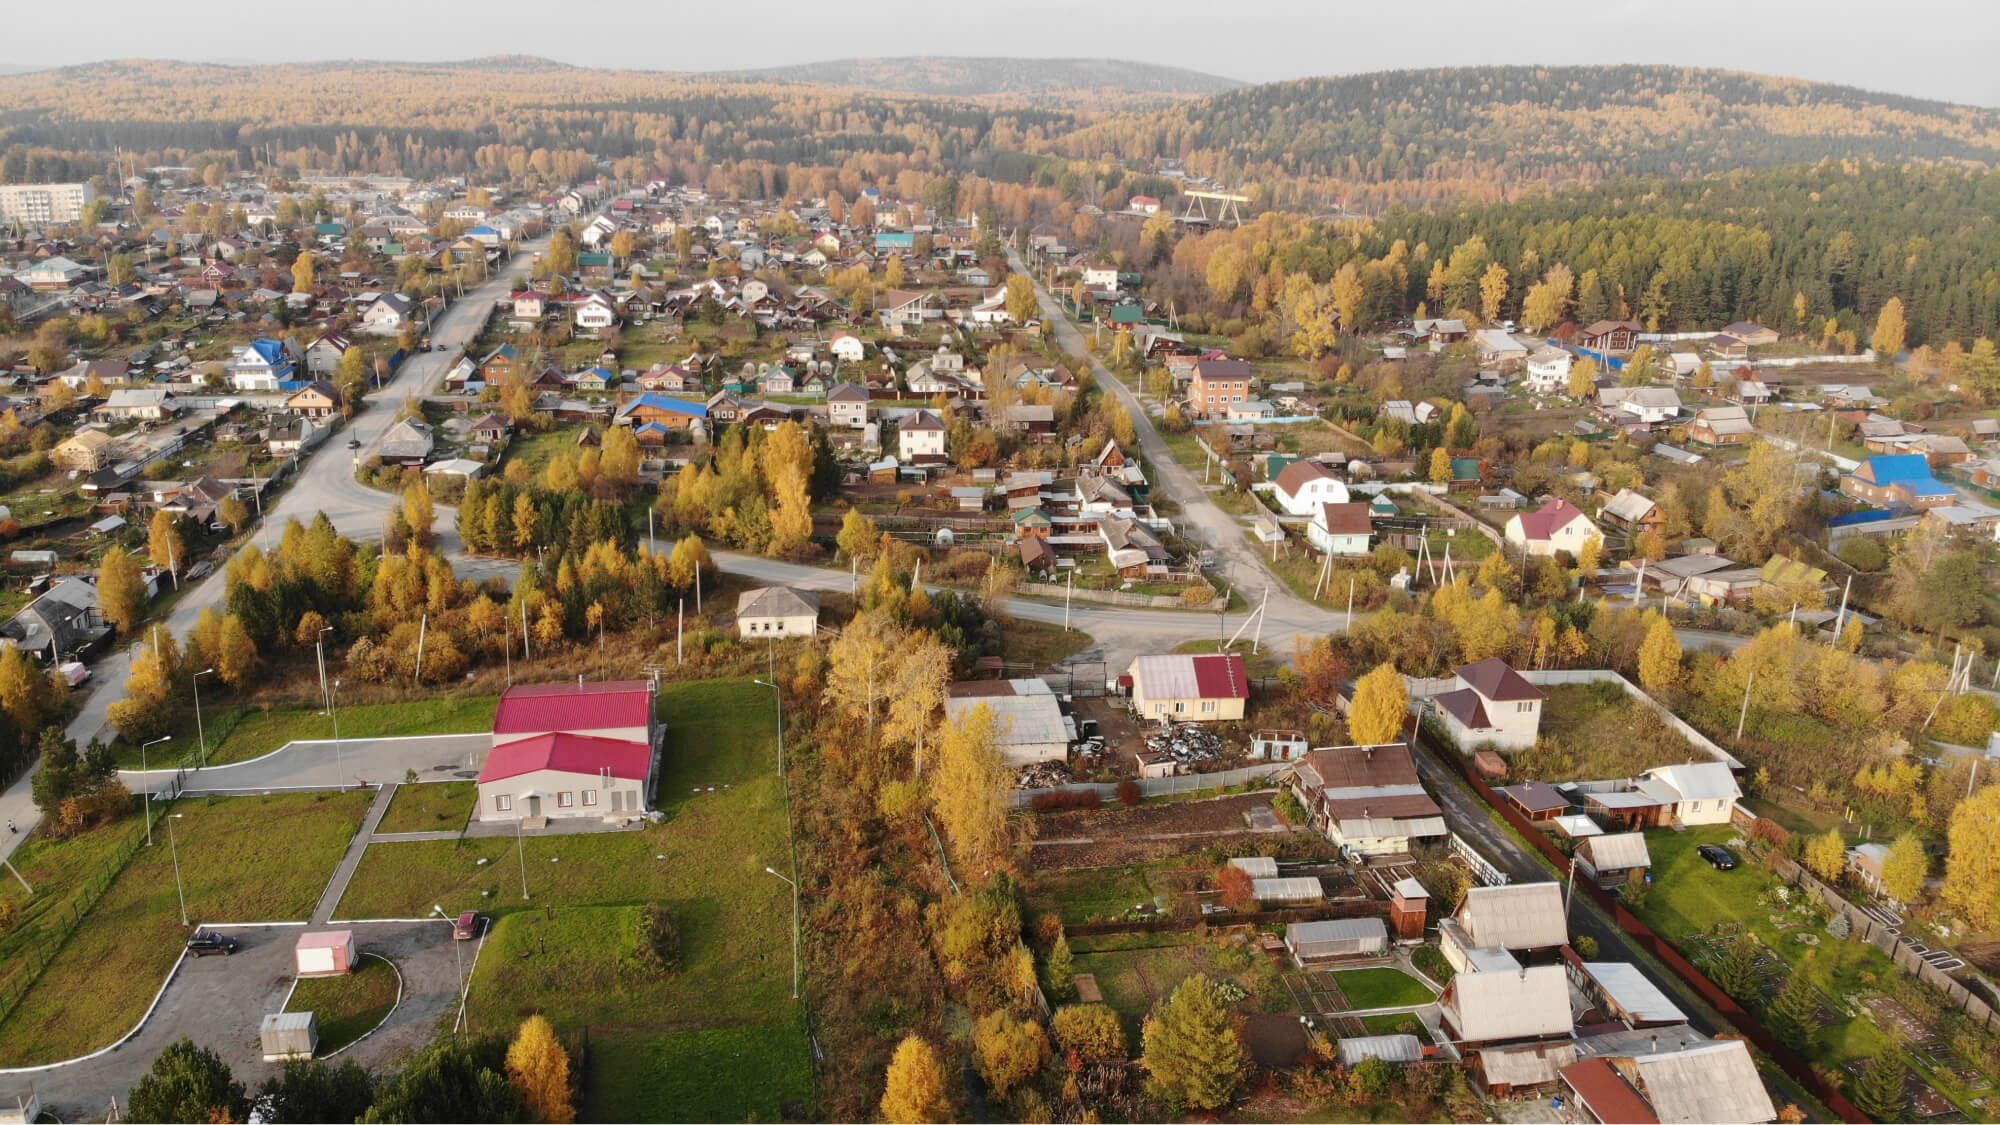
(439, 806)
(1382, 988)
(1133, 980)
(240, 734)
(1595, 731)
(660, 1047)
(1098, 892)
(242, 859)
(348, 1007)
(1395, 1023)
(537, 450)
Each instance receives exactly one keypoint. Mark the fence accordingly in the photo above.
(1163, 786)
(58, 931)
(1875, 932)
(1346, 908)
(1642, 935)
(1421, 688)
(1426, 496)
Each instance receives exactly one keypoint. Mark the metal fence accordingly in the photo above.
(1163, 786)
(57, 929)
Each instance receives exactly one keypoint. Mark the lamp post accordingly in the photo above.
(179, 888)
(149, 783)
(333, 710)
(198, 732)
(438, 910)
(521, 850)
(795, 929)
(319, 649)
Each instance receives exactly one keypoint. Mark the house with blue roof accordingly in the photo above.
(895, 240)
(263, 365)
(597, 380)
(664, 409)
(1897, 480)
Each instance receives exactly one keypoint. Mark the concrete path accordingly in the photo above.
(412, 837)
(349, 863)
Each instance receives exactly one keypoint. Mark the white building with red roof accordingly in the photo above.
(1492, 706)
(1557, 525)
(571, 750)
(1304, 486)
(1189, 688)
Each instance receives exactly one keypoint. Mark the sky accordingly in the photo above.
(1927, 48)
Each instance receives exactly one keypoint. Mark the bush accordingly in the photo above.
(658, 948)
(1130, 793)
(1201, 595)
(1429, 960)
(1862, 552)
(1057, 800)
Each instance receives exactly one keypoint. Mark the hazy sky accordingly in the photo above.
(1929, 48)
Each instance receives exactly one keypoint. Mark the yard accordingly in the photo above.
(349, 1006)
(1134, 980)
(238, 734)
(430, 807)
(1596, 731)
(1366, 989)
(241, 859)
(662, 1047)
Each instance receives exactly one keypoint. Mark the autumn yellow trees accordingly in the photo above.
(538, 1066)
(1381, 707)
(1972, 870)
(916, 1091)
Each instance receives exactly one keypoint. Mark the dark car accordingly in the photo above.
(1718, 857)
(354, 443)
(467, 926)
(203, 944)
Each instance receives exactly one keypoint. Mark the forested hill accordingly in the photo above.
(1557, 124)
(936, 76)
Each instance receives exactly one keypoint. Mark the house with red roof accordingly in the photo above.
(1189, 687)
(1557, 525)
(571, 750)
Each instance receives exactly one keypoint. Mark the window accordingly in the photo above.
(1207, 705)
(1525, 707)
(565, 800)
(589, 798)
(1179, 707)
(502, 803)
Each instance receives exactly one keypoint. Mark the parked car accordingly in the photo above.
(467, 926)
(204, 943)
(1717, 856)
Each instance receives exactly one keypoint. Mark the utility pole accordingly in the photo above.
(1745, 712)
(1068, 588)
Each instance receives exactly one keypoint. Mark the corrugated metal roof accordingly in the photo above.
(1615, 852)
(532, 708)
(1191, 676)
(1028, 715)
(1388, 1048)
(1528, 1065)
(1637, 998)
(1714, 1082)
(1516, 916)
(777, 601)
(569, 753)
(1699, 781)
(1608, 1095)
(1293, 889)
(1369, 933)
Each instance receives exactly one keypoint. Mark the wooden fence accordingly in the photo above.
(1344, 908)
(1642, 935)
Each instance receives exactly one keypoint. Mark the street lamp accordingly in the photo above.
(438, 910)
(521, 850)
(319, 648)
(198, 732)
(148, 774)
(795, 929)
(179, 889)
(333, 709)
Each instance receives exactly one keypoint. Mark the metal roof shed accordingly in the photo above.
(1259, 866)
(1388, 1048)
(1339, 937)
(1292, 889)
(288, 1035)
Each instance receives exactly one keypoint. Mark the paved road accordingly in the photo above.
(325, 764)
(325, 484)
(220, 1001)
(1241, 565)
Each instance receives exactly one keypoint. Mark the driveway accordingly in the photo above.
(323, 764)
(219, 1002)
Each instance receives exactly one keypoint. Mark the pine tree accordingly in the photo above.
(1736, 971)
(915, 1091)
(1794, 1013)
(1059, 970)
(538, 1066)
(1878, 1091)
(1381, 707)
(187, 1083)
(1193, 1053)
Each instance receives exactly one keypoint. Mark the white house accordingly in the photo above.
(1341, 529)
(1492, 706)
(847, 347)
(920, 436)
(1101, 277)
(1649, 406)
(847, 406)
(777, 611)
(571, 750)
(595, 312)
(389, 313)
(1304, 487)
(1557, 525)
(1548, 371)
(323, 355)
(1699, 792)
(262, 364)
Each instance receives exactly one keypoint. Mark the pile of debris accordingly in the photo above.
(1043, 775)
(1186, 743)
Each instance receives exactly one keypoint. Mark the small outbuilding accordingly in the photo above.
(1289, 891)
(1338, 938)
(325, 953)
(288, 1035)
(1612, 860)
(1389, 1048)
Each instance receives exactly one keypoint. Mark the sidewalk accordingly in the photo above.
(349, 863)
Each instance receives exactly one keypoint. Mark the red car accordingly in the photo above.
(467, 926)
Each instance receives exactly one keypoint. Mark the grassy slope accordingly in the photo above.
(242, 859)
(659, 1047)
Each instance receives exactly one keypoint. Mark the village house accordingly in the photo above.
(1500, 350)
(1341, 529)
(1667, 1074)
(389, 313)
(1611, 336)
(1613, 860)
(571, 750)
(314, 400)
(1492, 706)
(323, 355)
(262, 365)
(137, 404)
(1631, 513)
(673, 413)
(1189, 688)
(1639, 406)
(920, 438)
(1548, 371)
(847, 406)
(595, 313)
(1217, 383)
(1899, 479)
(1513, 1025)
(1750, 333)
(1555, 526)
(1368, 800)
(1304, 487)
(777, 611)
(62, 620)
(1721, 425)
(408, 442)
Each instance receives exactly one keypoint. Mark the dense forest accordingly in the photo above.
(1481, 130)
(1042, 81)
(1794, 248)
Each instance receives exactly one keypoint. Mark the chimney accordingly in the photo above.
(1653, 1044)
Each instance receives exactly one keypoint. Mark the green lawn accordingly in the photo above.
(242, 859)
(538, 450)
(658, 1045)
(348, 1007)
(1596, 730)
(1133, 980)
(1039, 643)
(430, 807)
(241, 733)
(1382, 988)
(1395, 1023)
(1098, 892)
